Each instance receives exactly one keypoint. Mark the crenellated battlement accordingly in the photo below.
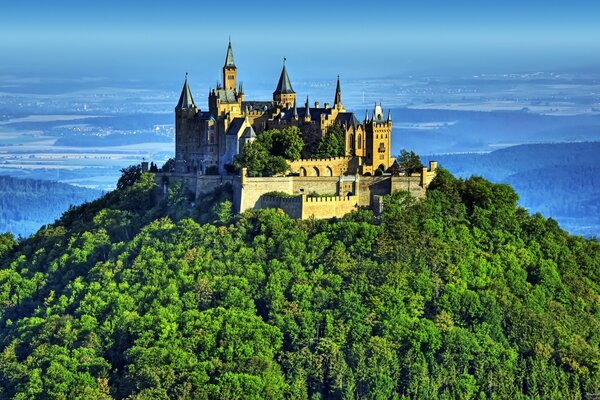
(327, 199)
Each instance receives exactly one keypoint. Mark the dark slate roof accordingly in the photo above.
(185, 100)
(229, 58)
(226, 96)
(249, 133)
(347, 118)
(257, 105)
(315, 113)
(284, 85)
(235, 126)
(205, 115)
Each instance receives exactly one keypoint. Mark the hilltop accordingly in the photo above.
(460, 295)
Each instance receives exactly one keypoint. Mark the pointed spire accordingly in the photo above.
(241, 89)
(295, 111)
(185, 100)
(389, 116)
(284, 85)
(229, 63)
(307, 110)
(366, 116)
(338, 94)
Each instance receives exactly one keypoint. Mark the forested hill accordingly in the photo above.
(27, 204)
(460, 296)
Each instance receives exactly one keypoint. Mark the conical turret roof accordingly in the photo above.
(186, 101)
(284, 85)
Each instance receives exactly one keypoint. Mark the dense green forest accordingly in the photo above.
(463, 295)
(27, 204)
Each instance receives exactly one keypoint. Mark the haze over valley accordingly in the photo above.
(83, 131)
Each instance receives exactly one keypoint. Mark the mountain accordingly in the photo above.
(560, 180)
(463, 295)
(27, 204)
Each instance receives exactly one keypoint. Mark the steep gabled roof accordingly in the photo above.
(347, 119)
(284, 85)
(229, 63)
(185, 100)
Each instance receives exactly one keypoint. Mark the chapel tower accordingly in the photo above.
(229, 70)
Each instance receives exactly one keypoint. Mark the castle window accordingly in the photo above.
(351, 141)
(381, 148)
(360, 141)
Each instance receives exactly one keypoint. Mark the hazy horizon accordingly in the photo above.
(159, 42)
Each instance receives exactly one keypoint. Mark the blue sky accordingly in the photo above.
(357, 39)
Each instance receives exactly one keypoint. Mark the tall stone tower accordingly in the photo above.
(185, 125)
(284, 95)
(229, 70)
(379, 138)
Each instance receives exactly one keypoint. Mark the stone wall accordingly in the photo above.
(292, 206)
(328, 207)
(165, 179)
(411, 184)
(324, 167)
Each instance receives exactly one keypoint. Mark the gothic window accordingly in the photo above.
(351, 141)
(360, 141)
(381, 148)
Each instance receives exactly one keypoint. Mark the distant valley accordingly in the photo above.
(27, 204)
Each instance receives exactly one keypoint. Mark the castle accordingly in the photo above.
(207, 142)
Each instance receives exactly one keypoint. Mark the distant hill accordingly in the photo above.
(560, 180)
(27, 204)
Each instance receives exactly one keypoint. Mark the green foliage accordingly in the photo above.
(332, 143)
(280, 194)
(268, 154)
(168, 166)
(129, 176)
(409, 162)
(460, 296)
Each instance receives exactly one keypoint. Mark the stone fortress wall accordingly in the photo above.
(344, 193)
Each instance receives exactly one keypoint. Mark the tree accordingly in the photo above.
(129, 176)
(268, 154)
(409, 162)
(287, 143)
(332, 143)
(168, 166)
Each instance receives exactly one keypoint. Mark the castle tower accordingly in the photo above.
(229, 70)
(185, 113)
(379, 138)
(284, 95)
(337, 101)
